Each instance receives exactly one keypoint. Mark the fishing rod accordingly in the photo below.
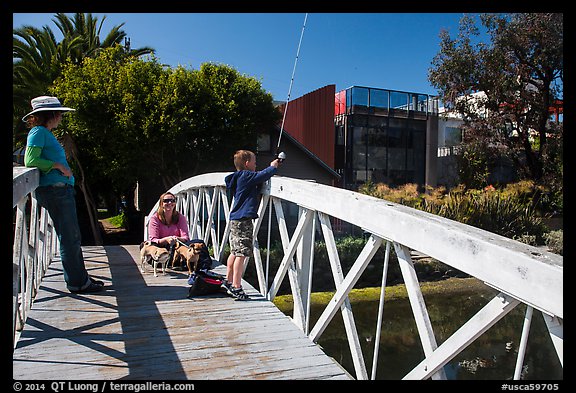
(281, 155)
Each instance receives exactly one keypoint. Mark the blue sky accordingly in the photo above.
(384, 50)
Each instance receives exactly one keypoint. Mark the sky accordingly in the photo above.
(383, 50)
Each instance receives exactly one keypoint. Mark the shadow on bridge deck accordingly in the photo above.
(145, 327)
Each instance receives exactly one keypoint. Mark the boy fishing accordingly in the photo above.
(244, 185)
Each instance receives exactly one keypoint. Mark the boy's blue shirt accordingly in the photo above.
(245, 186)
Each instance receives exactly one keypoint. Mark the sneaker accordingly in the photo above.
(93, 287)
(228, 285)
(238, 293)
(97, 282)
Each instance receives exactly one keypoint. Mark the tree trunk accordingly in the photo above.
(72, 155)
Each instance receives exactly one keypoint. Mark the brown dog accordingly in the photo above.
(191, 254)
(158, 255)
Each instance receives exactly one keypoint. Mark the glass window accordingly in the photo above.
(377, 151)
(398, 100)
(377, 121)
(348, 101)
(379, 98)
(359, 148)
(359, 171)
(395, 134)
(397, 151)
(419, 155)
(359, 100)
(360, 96)
(422, 103)
(452, 136)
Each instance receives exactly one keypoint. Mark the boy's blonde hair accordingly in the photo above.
(240, 158)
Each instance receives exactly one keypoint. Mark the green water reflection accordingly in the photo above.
(490, 357)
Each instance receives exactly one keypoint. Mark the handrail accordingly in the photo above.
(34, 245)
(487, 256)
(522, 273)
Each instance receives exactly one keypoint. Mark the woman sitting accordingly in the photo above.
(168, 227)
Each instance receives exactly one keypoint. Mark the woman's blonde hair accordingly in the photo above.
(162, 215)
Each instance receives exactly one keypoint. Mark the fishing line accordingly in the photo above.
(282, 155)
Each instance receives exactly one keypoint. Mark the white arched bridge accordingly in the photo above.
(118, 333)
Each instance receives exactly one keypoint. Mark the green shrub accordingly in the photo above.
(511, 211)
(506, 215)
(555, 241)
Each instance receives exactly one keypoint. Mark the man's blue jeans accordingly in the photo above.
(61, 204)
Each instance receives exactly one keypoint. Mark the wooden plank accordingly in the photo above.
(145, 327)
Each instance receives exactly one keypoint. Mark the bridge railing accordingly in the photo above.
(521, 273)
(34, 245)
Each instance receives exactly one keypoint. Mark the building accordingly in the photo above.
(368, 134)
(450, 137)
(386, 136)
(310, 121)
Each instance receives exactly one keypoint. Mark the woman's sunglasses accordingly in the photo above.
(168, 200)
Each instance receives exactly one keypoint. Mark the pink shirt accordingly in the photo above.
(157, 230)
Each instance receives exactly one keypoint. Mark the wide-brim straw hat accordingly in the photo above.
(46, 103)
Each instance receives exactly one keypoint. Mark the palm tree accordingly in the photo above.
(36, 64)
(87, 27)
(38, 60)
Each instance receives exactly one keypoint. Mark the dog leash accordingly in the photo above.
(181, 242)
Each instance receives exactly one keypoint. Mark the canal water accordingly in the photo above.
(491, 357)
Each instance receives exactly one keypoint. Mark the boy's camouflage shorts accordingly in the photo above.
(241, 239)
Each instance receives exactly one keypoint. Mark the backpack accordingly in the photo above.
(204, 282)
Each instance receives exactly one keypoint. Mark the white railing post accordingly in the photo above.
(419, 309)
(380, 312)
(226, 207)
(555, 327)
(346, 308)
(303, 268)
(20, 249)
(523, 342)
(256, 250)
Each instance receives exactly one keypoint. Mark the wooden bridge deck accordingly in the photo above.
(144, 327)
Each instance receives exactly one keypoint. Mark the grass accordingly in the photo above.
(451, 286)
(118, 221)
